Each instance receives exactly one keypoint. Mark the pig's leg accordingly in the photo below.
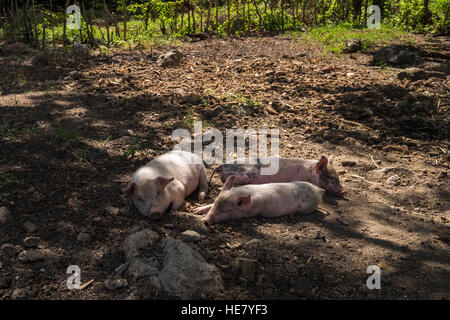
(178, 193)
(178, 202)
(202, 210)
(203, 184)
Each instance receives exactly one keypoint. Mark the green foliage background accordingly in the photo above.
(115, 23)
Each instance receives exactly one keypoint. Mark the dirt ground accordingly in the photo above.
(73, 131)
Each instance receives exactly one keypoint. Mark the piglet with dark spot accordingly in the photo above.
(320, 173)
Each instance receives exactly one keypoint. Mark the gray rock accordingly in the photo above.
(171, 266)
(247, 267)
(31, 242)
(170, 59)
(112, 210)
(4, 282)
(30, 227)
(412, 74)
(115, 284)
(190, 235)
(395, 56)
(352, 45)
(34, 256)
(125, 211)
(5, 216)
(253, 242)
(84, 237)
(80, 50)
(141, 266)
(137, 241)
(186, 274)
(436, 66)
(291, 268)
(20, 294)
(392, 181)
(9, 250)
(380, 173)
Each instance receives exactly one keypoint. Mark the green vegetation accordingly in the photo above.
(333, 37)
(134, 146)
(145, 24)
(66, 137)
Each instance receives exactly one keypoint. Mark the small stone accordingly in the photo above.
(169, 226)
(190, 235)
(291, 268)
(171, 58)
(20, 294)
(395, 55)
(34, 256)
(290, 146)
(412, 74)
(31, 242)
(253, 242)
(4, 282)
(84, 237)
(30, 227)
(5, 216)
(392, 181)
(247, 267)
(125, 139)
(112, 210)
(80, 50)
(9, 250)
(125, 211)
(116, 284)
(352, 46)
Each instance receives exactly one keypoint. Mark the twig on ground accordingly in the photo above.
(374, 162)
(356, 176)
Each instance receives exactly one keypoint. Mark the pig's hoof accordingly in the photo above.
(197, 211)
(201, 196)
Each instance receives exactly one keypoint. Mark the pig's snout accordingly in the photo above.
(154, 213)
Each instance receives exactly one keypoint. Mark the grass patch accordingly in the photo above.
(333, 37)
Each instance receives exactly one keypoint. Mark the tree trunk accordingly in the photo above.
(125, 20)
(65, 23)
(426, 12)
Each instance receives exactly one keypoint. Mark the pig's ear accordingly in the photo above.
(163, 181)
(228, 184)
(322, 164)
(244, 201)
(330, 158)
(128, 191)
